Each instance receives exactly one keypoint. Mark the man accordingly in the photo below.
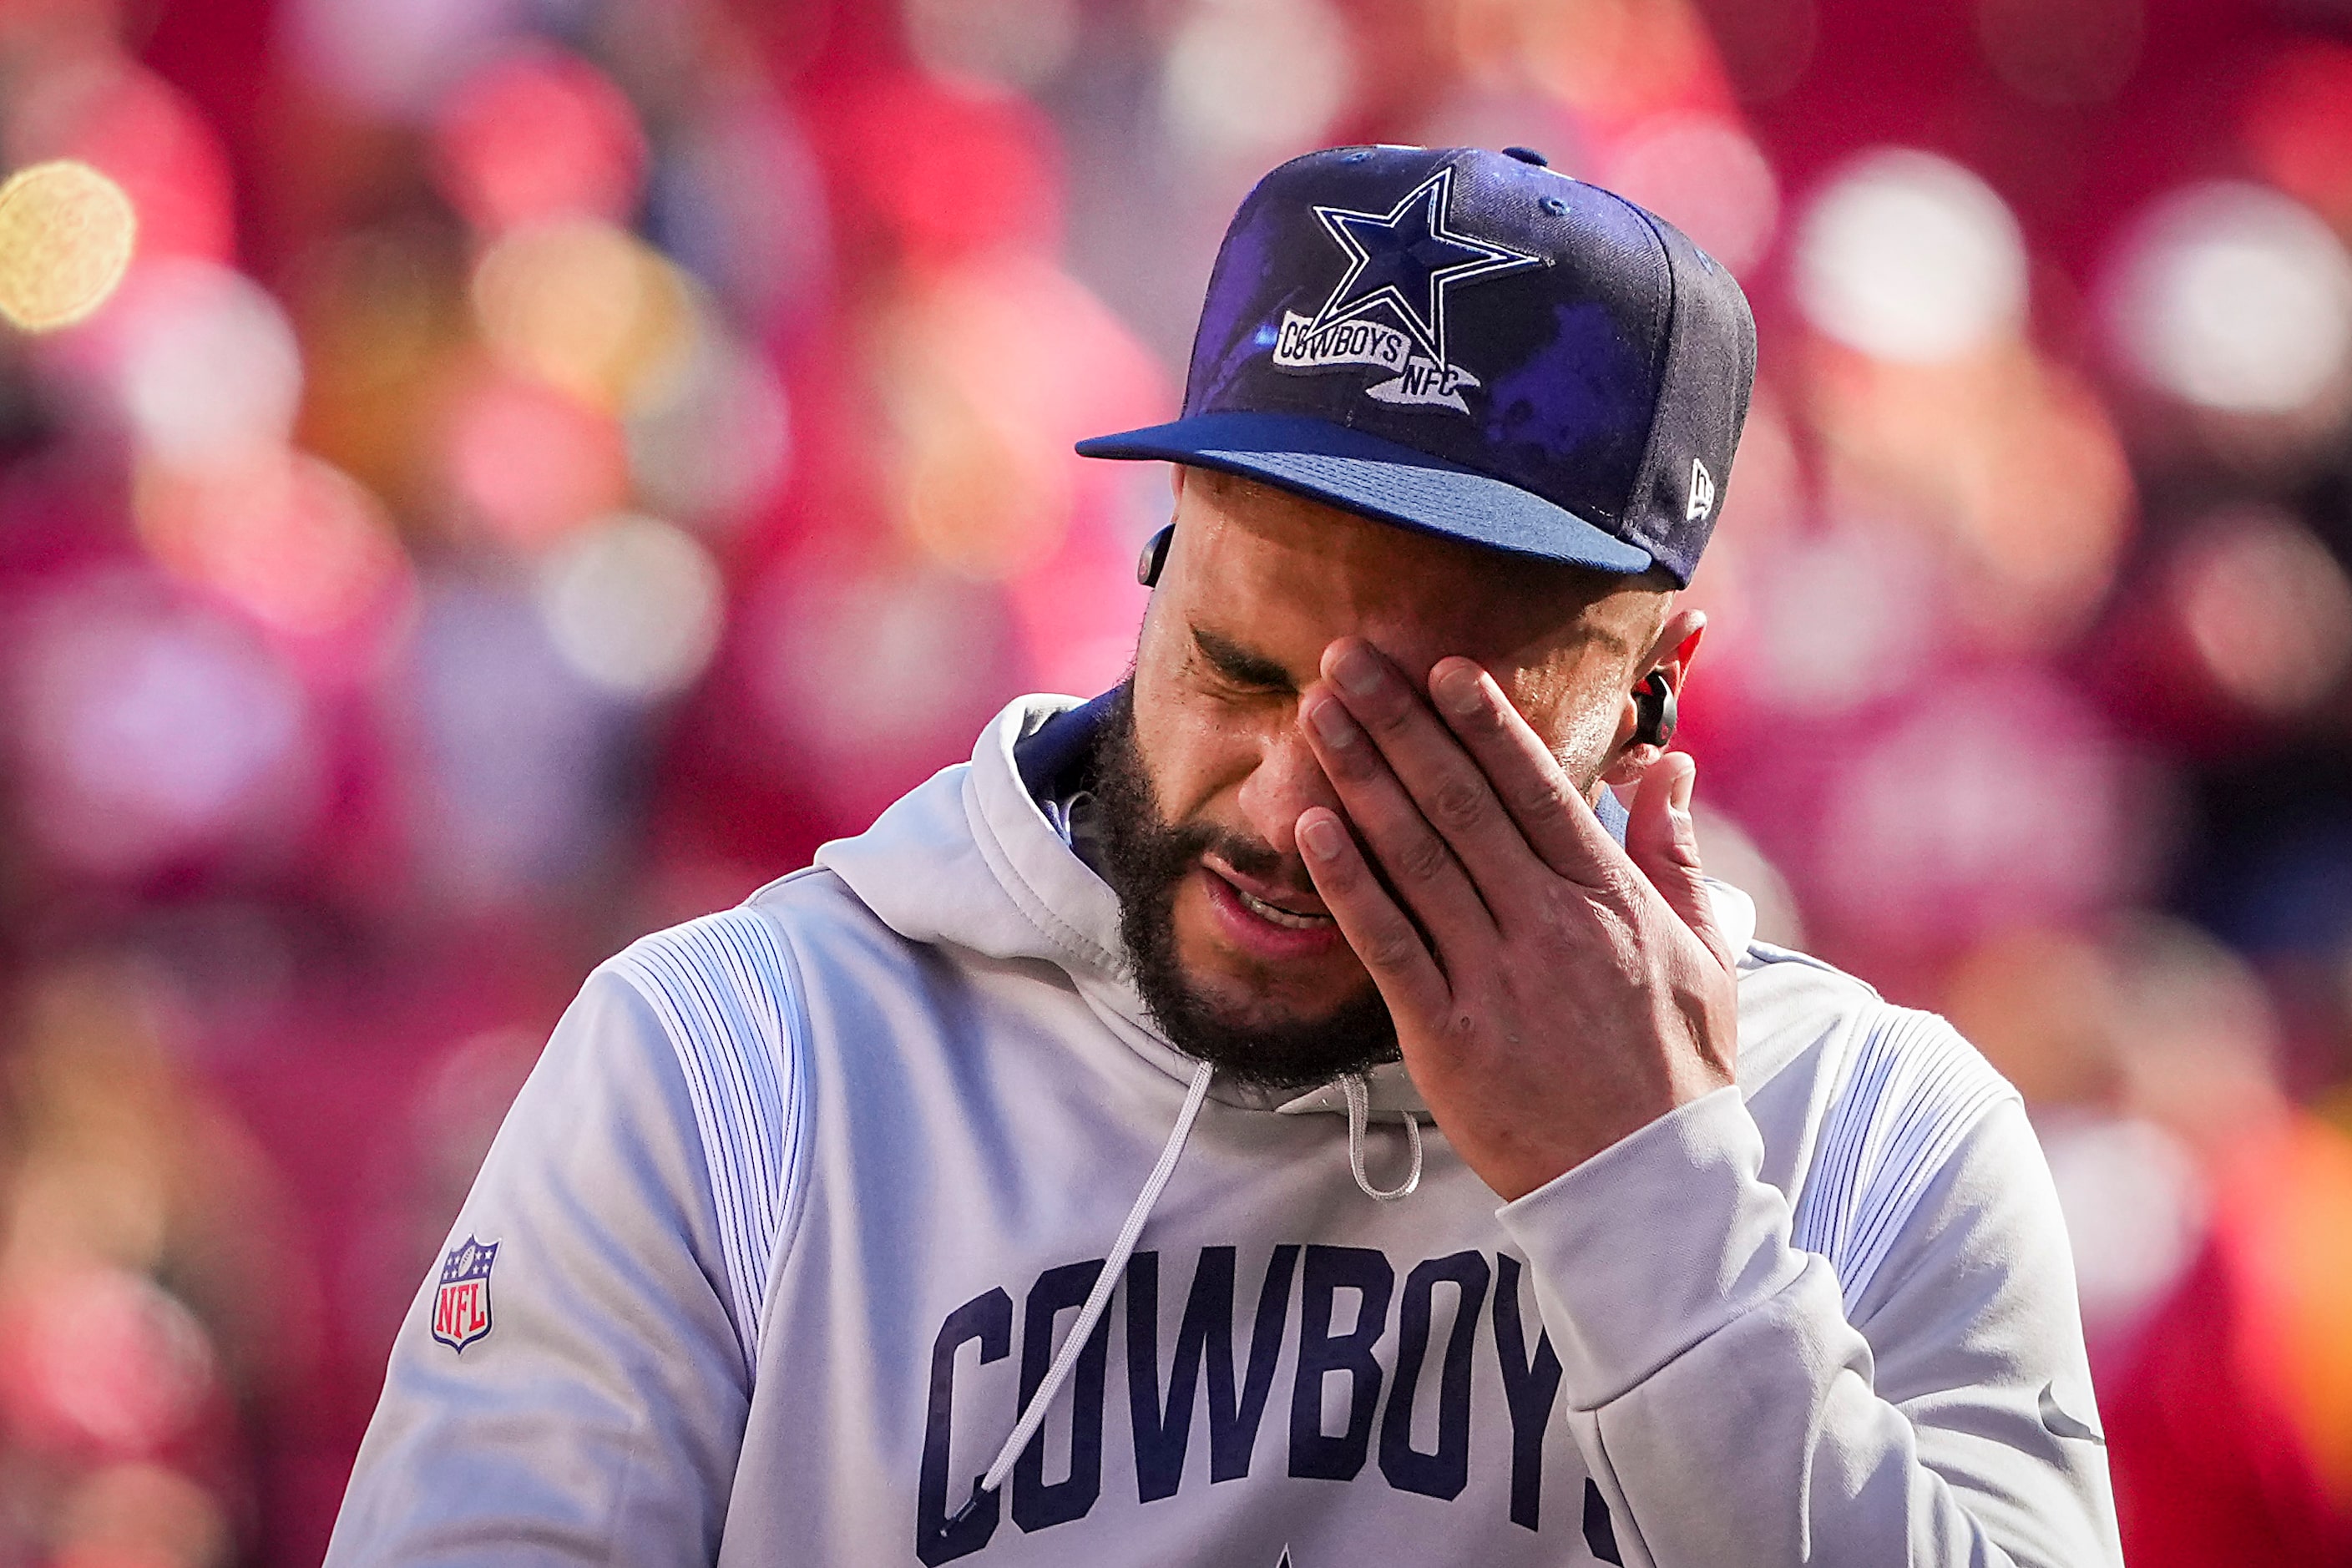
(1287, 1111)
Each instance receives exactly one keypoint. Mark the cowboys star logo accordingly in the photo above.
(1409, 259)
(1388, 312)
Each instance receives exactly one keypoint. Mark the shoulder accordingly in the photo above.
(1893, 1097)
(729, 988)
(726, 995)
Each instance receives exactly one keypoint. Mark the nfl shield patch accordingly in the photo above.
(461, 1307)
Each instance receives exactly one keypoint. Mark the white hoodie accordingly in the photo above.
(804, 1198)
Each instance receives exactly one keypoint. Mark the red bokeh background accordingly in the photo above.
(552, 463)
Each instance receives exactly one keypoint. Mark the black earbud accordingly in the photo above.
(1154, 556)
(1655, 705)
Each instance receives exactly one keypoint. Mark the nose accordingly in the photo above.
(1285, 782)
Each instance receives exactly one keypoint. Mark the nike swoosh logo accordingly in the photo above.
(2061, 1424)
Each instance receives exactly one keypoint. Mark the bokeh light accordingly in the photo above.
(1245, 79)
(535, 136)
(392, 57)
(1908, 257)
(147, 729)
(292, 541)
(2233, 297)
(2002, 798)
(1016, 44)
(584, 306)
(210, 368)
(102, 1355)
(981, 412)
(634, 604)
(714, 443)
(526, 463)
(1703, 174)
(1840, 619)
(739, 198)
(140, 132)
(2266, 608)
(66, 238)
(2131, 1193)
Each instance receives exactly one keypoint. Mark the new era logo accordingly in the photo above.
(1702, 492)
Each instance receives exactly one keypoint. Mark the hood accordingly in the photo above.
(970, 859)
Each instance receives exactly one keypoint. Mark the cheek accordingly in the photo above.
(1582, 715)
(1194, 750)
(1591, 737)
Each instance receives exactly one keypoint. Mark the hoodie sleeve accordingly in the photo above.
(590, 1406)
(1739, 1406)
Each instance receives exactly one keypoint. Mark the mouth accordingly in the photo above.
(1289, 919)
(1272, 930)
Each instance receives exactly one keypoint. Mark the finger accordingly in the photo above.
(1444, 781)
(1661, 840)
(1417, 862)
(1552, 814)
(1391, 951)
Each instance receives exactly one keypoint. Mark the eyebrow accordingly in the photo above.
(1240, 665)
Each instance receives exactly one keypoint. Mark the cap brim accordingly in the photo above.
(1379, 478)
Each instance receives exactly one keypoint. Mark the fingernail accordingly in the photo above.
(1686, 777)
(1331, 721)
(1321, 836)
(1357, 671)
(1458, 689)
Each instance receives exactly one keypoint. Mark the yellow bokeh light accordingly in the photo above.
(66, 238)
(584, 306)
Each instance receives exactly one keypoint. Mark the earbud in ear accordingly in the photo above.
(1154, 556)
(1654, 706)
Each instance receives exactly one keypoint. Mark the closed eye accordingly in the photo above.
(1241, 667)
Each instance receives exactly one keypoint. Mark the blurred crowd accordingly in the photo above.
(480, 479)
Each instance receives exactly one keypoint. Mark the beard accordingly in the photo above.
(1146, 860)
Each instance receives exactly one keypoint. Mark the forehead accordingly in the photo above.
(1287, 575)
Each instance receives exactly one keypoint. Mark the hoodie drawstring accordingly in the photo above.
(1098, 1298)
(1032, 1414)
(1360, 1102)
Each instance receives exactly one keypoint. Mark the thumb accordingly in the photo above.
(1661, 841)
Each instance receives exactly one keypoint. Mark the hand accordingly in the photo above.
(1567, 993)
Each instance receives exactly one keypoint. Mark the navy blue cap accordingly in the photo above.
(1473, 344)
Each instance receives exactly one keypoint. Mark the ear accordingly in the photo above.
(1671, 655)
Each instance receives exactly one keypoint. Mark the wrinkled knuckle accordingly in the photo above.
(1391, 949)
(1421, 860)
(1541, 797)
(1458, 803)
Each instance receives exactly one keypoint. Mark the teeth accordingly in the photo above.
(1274, 916)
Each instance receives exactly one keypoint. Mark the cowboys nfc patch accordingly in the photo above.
(1388, 312)
(461, 1306)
